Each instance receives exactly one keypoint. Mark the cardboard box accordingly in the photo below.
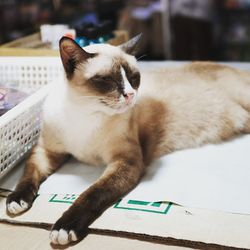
(36, 238)
(157, 222)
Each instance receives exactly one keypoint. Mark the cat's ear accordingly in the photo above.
(132, 46)
(72, 54)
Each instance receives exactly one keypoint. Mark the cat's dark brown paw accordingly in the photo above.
(19, 201)
(69, 228)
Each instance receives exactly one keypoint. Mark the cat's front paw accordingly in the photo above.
(62, 236)
(15, 208)
(70, 227)
(19, 201)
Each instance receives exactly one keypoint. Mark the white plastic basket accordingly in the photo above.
(19, 127)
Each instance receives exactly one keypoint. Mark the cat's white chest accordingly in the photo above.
(80, 132)
(75, 129)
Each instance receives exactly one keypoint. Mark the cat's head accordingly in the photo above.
(105, 76)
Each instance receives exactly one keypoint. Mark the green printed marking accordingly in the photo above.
(145, 206)
(63, 198)
(134, 202)
(156, 204)
(136, 205)
(69, 197)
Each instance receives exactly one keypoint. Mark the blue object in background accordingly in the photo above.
(82, 41)
(94, 32)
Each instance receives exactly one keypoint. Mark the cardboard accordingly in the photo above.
(35, 238)
(159, 222)
(213, 177)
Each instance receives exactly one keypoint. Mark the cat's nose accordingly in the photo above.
(128, 97)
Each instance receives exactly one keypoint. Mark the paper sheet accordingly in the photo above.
(212, 177)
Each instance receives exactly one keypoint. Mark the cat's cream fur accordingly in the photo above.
(210, 111)
(175, 109)
(206, 102)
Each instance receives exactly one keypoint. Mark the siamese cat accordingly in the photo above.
(104, 111)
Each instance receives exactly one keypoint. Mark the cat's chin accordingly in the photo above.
(122, 110)
(118, 110)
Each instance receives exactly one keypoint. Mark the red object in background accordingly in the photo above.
(69, 35)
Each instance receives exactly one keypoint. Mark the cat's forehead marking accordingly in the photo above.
(126, 84)
(108, 60)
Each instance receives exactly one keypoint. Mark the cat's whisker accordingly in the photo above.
(141, 57)
(89, 97)
(112, 103)
(86, 96)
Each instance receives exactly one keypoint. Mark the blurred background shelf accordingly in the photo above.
(172, 29)
(32, 45)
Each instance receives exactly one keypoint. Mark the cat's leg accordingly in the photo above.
(40, 164)
(121, 175)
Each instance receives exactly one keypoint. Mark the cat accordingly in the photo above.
(104, 111)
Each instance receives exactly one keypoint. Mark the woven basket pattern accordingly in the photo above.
(20, 127)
